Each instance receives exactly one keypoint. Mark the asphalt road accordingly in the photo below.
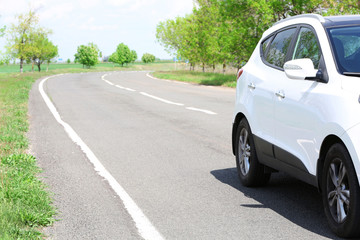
(168, 145)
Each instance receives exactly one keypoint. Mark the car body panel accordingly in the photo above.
(291, 129)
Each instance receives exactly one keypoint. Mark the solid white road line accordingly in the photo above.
(161, 99)
(201, 110)
(144, 226)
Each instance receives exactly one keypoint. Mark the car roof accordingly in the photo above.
(328, 21)
(343, 20)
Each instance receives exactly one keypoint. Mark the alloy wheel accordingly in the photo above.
(338, 191)
(244, 152)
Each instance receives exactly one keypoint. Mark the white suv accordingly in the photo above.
(298, 110)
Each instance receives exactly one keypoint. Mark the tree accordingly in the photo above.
(226, 32)
(134, 56)
(40, 48)
(2, 31)
(87, 55)
(20, 33)
(148, 58)
(122, 55)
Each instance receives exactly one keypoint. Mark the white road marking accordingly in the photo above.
(109, 82)
(201, 110)
(125, 88)
(118, 86)
(143, 224)
(161, 99)
(129, 89)
(158, 98)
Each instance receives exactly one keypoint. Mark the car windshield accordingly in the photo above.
(345, 43)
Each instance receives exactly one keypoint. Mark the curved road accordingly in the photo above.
(168, 145)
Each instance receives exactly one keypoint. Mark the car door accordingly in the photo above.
(298, 110)
(262, 85)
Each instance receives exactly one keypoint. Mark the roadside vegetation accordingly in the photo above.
(209, 79)
(225, 33)
(25, 205)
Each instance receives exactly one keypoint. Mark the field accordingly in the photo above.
(15, 68)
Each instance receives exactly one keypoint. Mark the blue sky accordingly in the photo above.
(103, 22)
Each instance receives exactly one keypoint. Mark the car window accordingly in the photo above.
(279, 46)
(264, 45)
(307, 46)
(346, 45)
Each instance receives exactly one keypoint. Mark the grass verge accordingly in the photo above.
(25, 205)
(210, 79)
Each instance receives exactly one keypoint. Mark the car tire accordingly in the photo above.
(341, 192)
(250, 171)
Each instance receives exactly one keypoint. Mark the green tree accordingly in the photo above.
(68, 61)
(87, 55)
(19, 36)
(134, 56)
(227, 32)
(2, 31)
(179, 37)
(122, 55)
(335, 7)
(40, 49)
(113, 58)
(148, 58)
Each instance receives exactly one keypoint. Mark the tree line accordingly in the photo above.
(88, 55)
(226, 32)
(29, 42)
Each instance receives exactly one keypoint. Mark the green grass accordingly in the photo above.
(210, 79)
(72, 67)
(25, 205)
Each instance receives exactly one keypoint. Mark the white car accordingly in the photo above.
(298, 111)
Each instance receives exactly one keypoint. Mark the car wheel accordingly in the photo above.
(341, 192)
(250, 171)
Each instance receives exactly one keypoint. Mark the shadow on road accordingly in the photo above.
(296, 201)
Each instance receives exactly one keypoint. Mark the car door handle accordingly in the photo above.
(280, 94)
(252, 86)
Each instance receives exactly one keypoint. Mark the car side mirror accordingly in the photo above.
(301, 69)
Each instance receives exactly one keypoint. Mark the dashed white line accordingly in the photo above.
(143, 224)
(201, 110)
(158, 98)
(161, 99)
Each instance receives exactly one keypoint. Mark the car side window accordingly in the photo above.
(264, 45)
(279, 47)
(307, 46)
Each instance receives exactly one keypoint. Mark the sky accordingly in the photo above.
(106, 23)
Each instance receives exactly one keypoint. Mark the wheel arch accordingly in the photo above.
(236, 122)
(325, 146)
